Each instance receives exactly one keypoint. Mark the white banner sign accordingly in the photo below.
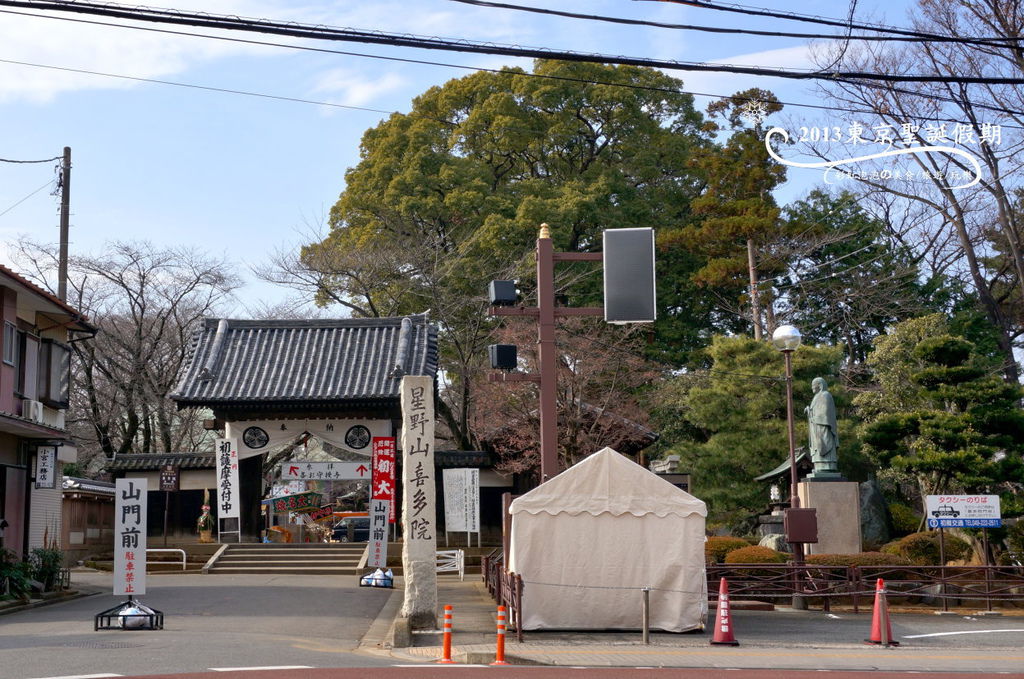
(325, 471)
(462, 500)
(963, 511)
(228, 505)
(379, 512)
(130, 497)
(46, 462)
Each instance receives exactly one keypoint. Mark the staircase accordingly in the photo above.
(288, 559)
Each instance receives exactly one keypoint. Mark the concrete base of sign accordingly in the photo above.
(838, 512)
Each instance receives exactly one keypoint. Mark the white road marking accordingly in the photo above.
(950, 634)
(253, 669)
(84, 676)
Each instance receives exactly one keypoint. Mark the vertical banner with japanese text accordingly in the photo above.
(419, 511)
(228, 505)
(378, 557)
(383, 475)
(130, 497)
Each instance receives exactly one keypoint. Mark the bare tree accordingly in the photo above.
(146, 302)
(983, 119)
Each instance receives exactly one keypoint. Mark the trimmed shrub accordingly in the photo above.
(904, 519)
(755, 554)
(717, 547)
(922, 549)
(861, 559)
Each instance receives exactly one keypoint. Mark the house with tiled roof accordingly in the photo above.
(35, 359)
(269, 383)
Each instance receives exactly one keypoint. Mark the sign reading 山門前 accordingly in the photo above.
(130, 536)
(963, 511)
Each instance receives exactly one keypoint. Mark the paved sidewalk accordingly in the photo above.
(781, 639)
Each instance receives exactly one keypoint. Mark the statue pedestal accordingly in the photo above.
(838, 510)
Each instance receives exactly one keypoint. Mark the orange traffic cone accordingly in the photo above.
(881, 628)
(446, 648)
(723, 618)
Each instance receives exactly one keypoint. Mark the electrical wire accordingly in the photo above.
(324, 50)
(320, 32)
(26, 162)
(224, 90)
(52, 181)
(733, 31)
(823, 21)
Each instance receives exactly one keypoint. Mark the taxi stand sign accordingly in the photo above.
(963, 511)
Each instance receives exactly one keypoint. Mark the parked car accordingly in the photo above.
(352, 529)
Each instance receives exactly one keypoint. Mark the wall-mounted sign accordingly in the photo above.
(261, 436)
(321, 513)
(324, 471)
(46, 463)
(130, 536)
(963, 511)
(461, 500)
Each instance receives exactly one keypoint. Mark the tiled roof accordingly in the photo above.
(305, 361)
(142, 462)
(88, 485)
(78, 319)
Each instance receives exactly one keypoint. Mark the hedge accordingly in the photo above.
(922, 549)
(716, 548)
(755, 554)
(861, 559)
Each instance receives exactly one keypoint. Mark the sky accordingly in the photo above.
(243, 176)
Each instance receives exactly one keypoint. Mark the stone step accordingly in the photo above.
(298, 563)
(281, 570)
(279, 557)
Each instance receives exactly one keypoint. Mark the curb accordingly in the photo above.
(69, 595)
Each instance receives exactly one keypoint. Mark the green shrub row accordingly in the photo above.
(717, 546)
(922, 549)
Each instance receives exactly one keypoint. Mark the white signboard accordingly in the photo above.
(963, 511)
(227, 480)
(462, 500)
(325, 471)
(379, 512)
(262, 436)
(130, 536)
(46, 462)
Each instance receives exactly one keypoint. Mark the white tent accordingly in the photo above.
(589, 540)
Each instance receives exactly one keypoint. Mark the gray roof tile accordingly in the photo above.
(305, 361)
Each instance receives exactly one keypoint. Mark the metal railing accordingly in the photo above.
(924, 584)
(506, 588)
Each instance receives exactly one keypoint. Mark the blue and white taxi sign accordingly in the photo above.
(963, 511)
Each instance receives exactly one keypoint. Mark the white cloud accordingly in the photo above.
(344, 86)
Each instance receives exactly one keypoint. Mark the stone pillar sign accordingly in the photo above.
(419, 511)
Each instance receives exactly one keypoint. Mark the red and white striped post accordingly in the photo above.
(446, 648)
(499, 658)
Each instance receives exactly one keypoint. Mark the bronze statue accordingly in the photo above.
(823, 434)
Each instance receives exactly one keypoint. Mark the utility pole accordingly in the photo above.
(65, 223)
(755, 306)
(547, 350)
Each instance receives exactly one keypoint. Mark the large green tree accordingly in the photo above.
(943, 416)
(450, 195)
(727, 422)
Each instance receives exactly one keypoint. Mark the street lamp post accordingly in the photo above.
(786, 339)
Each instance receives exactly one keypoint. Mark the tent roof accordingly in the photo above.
(608, 483)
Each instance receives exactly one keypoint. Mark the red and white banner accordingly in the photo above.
(382, 485)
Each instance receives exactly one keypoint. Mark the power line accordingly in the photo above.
(192, 86)
(52, 181)
(823, 21)
(731, 31)
(27, 162)
(324, 50)
(320, 32)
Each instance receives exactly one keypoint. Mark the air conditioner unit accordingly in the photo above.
(32, 410)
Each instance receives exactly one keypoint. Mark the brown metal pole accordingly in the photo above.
(547, 356)
(942, 563)
(794, 498)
